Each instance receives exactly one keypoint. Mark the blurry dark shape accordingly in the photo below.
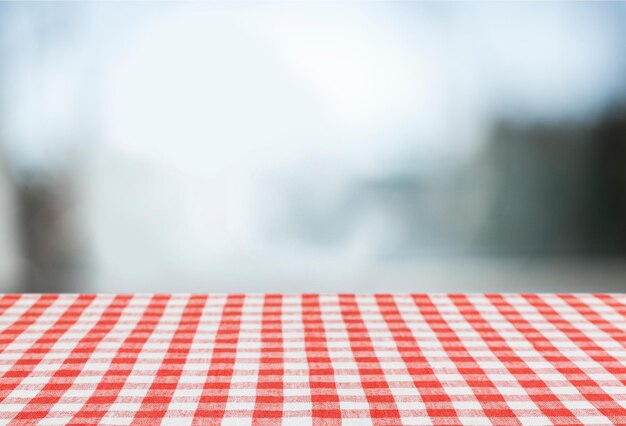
(607, 204)
(541, 178)
(535, 189)
(560, 188)
(49, 237)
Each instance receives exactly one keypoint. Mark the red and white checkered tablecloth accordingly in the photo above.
(313, 359)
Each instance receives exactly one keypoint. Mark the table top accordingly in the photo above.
(313, 359)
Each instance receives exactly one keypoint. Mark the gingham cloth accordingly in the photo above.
(313, 359)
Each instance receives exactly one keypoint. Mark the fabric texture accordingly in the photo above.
(401, 359)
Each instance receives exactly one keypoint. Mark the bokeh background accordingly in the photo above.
(312, 147)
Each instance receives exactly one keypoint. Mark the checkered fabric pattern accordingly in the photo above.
(313, 359)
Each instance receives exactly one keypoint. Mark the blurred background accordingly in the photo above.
(312, 147)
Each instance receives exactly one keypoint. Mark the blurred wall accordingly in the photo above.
(284, 147)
